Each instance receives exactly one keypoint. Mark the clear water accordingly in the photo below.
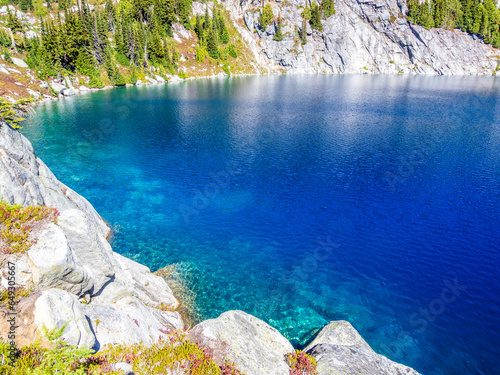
(306, 199)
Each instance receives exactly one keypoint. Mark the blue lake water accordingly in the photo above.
(303, 200)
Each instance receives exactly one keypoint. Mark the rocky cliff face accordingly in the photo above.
(364, 36)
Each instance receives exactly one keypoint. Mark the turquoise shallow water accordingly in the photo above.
(306, 199)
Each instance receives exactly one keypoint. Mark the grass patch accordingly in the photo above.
(16, 224)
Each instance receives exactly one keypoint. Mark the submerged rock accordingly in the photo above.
(340, 349)
(253, 345)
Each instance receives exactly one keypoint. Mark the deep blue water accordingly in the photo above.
(306, 199)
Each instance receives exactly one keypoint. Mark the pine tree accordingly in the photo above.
(25, 5)
(111, 15)
(212, 44)
(303, 31)
(13, 23)
(315, 17)
(62, 5)
(328, 8)
(266, 17)
(155, 49)
(278, 35)
(439, 12)
(206, 23)
(198, 29)
(223, 30)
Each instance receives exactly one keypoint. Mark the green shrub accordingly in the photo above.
(231, 50)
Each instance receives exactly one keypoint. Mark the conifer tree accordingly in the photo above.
(223, 30)
(315, 17)
(328, 8)
(303, 31)
(266, 17)
(212, 44)
(278, 35)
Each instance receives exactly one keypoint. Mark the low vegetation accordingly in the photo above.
(16, 224)
(175, 354)
(19, 292)
(301, 363)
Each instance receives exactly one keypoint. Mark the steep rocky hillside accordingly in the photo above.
(363, 36)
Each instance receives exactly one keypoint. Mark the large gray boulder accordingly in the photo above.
(55, 308)
(129, 321)
(252, 345)
(20, 63)
(340, 349)
(53, 264)
(90, 247)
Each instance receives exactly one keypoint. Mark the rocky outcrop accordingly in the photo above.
(104, 297)
(251, 344)
(339, 349)
(257, 348)
(364, 36)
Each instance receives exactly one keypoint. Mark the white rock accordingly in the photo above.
(20, 63)
(67, 82)
(53, 263)
(68, 92)
(57, 87)
(159, 78)
(35, 94)
(90, 247)
(371, 34)
(30, 34)
(55, 307)
(125, 367)
(340, 349)
(83, 88)
(253, 345)
(129, 321)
